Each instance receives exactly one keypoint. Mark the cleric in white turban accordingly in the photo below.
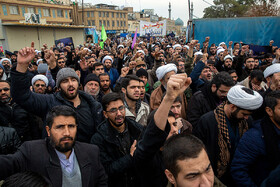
(163, 70)
(244, 99)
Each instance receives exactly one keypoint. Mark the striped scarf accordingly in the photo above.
(224, 140)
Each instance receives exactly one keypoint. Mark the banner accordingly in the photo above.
(153, 29)
(61, 43)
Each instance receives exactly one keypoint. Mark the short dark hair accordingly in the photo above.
(231, 71)
(108, 98)
(96, 65)
(126, 80)
(103, 74)
(180, 147)
(60, 110)
(258, 74)
(222, 78)
(6, 82)
(178, 99)
(28, 178)
(271, 99)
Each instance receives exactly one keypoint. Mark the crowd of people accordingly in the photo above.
(164, 112)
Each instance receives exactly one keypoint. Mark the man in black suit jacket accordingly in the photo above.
(59, 158)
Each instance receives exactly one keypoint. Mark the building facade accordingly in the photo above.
(114, 19)
(49, 12)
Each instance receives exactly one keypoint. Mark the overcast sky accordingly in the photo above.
(179, 8)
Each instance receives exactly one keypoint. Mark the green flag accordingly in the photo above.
(103, 34)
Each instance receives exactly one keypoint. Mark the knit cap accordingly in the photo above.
(65, 73)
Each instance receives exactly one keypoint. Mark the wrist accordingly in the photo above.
(22, 68)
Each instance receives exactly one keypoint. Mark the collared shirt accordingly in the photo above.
(66, 164)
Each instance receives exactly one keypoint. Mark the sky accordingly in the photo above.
(179, 8)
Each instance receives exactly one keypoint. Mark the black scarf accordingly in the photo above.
(212, 99)
(271, 142)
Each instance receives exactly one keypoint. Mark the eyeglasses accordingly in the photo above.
(115, 110)
(38, 85)
(141, 65)
(61, 62)
(5, 89)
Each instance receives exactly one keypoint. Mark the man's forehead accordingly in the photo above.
(116, 103)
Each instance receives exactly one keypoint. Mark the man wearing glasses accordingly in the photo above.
(116, 138)
(39, 84)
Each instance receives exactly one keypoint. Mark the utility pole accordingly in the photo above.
(169, 10)
(83, 12)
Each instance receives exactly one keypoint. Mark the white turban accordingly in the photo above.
(177, 45)
(220, 50)
(244, 100)
(41, 78)
(141, 51)
(5, 59)
(198, 53)
(222, 43)
(120, 46)
(39, 60)
(107, 58)
(228, 56)
(162, 70)
(270, 70)
(186, 46)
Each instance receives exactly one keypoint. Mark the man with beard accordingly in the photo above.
(97, 68)
(2, 73)
(255, 81)
(258, 152)
(13, 115)
(59, 158)
(220, 130)
(112, 72)
(116, 138)
(39, 84)
(105, 83)
(227, 64)
(7, 64)
(247, 62)
(134, 107)
(92, 87)
(163, 74)
(88, 110)
(209, 97)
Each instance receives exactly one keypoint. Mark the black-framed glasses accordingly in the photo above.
(38, 85)
(5, 89)
(115, 110)
(141, 65)
(61, 62)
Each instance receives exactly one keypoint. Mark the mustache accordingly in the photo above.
(66, 138)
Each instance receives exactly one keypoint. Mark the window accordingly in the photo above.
(88, 14)
(14, 10)
(30, 10)
(120, 15)
(118, 24)
(88, 22)
(66, 14)
(100, 23)
(121, 23)
(108, 23)
(103, 14)
(46, 12)
(117, 15)
(112, 14)
(93, 22)
(53, 13)
(23, 11)
(99, 14)
(104, 23)
(59, 13)
(107, 14)
(92, 14)
(40, 12)
(124, 24)
(113, 23)
(123, 15)
(4, 10)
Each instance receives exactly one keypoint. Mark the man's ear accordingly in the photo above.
(105, 114)
(269, 111)
(170, 176)
(48, 130)
(124, 90)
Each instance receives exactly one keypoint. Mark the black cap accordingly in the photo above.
(142, 72)
(91, 77)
